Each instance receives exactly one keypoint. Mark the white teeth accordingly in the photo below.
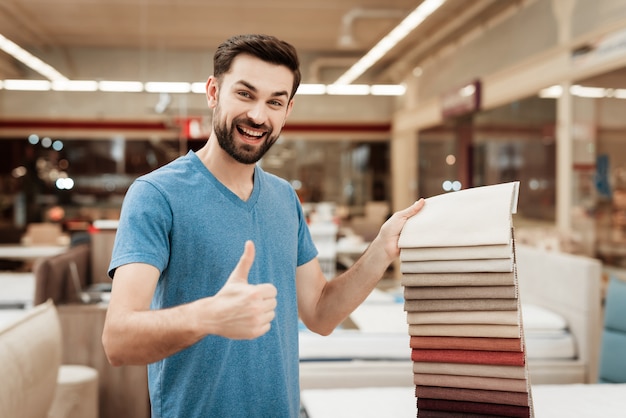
(251, 133)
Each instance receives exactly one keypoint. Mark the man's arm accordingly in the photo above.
(325, 304)
(134, 334)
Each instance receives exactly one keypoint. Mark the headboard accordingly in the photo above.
(570, 286)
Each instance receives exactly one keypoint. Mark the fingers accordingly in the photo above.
(415, 207)
(242, 269)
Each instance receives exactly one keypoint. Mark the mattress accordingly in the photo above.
(381, 333)
(550, 401)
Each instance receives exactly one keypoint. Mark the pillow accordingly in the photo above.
(537, 318)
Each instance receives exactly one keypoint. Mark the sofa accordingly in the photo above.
(35, 383)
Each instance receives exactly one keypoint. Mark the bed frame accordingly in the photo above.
(569, 285)
(564, 283)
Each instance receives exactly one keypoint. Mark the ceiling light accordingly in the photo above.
(311, 89)
(198, 87)
(167, 87)
(29, 59)
(121, 86)
(589, 92)
(30, 85)
(551, 92)
(348, 89)
(619, 93)
(75, 85)
(413, 20)
(387, 89)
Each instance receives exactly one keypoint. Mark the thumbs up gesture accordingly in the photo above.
(244, 310)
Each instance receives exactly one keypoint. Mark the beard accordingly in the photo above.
(244, 153)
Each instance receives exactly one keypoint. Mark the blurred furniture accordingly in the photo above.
(102, 239)
(53, 275)
(44, 233)
(349, 249)
(35, 383)
(570, 286)
(123, 391)
(368, 225)
(324, 235)
(66, 279)
(30, 357)
(28, 253)
(613, 348)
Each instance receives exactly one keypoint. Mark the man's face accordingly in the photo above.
(251, 105)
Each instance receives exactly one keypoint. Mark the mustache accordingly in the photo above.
(249, 123)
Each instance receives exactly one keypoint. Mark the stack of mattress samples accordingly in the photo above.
(457, 258)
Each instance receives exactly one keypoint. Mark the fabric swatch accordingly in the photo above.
(457, 253)
(473, 407)
(471, 382)
(473, 395)
(465, 330)
(458, 279)
(460, 292)
(475, 216)
(505, 358)
(510, 317)
(467, 343)
(462, 369)
(458, 266)
(460, 305)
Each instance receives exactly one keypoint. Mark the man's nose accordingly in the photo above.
(258, 113)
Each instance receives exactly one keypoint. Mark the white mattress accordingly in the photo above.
(382, 334)
(354, 345)
(550, 401)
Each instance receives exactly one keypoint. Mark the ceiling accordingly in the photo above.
(342, 30)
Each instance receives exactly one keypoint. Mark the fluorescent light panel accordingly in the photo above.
(29, 59)
(120, 86)
(348, 89)
(27, 85)
(167, 87)
(556, 91)
(311, 89)
(75, 85)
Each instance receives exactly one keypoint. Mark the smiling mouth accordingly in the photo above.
(251, 134)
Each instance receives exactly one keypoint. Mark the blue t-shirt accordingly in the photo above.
(187, 224)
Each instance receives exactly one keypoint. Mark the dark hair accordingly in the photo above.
(265, 47)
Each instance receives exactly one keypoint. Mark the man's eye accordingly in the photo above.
(244, 94)
(276, 103)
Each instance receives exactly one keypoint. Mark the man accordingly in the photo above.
(213, 262)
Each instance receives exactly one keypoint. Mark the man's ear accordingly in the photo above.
(212, 92)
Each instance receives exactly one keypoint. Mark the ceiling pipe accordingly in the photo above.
(346, 38)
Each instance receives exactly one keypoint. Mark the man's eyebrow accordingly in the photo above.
(254, 89)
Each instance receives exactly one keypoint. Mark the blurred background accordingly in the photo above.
(400, 99)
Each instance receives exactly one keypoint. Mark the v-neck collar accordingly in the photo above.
(225, 191)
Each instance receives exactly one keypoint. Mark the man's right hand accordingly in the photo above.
(243, 310)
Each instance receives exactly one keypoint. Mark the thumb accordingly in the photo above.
(242, 269)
